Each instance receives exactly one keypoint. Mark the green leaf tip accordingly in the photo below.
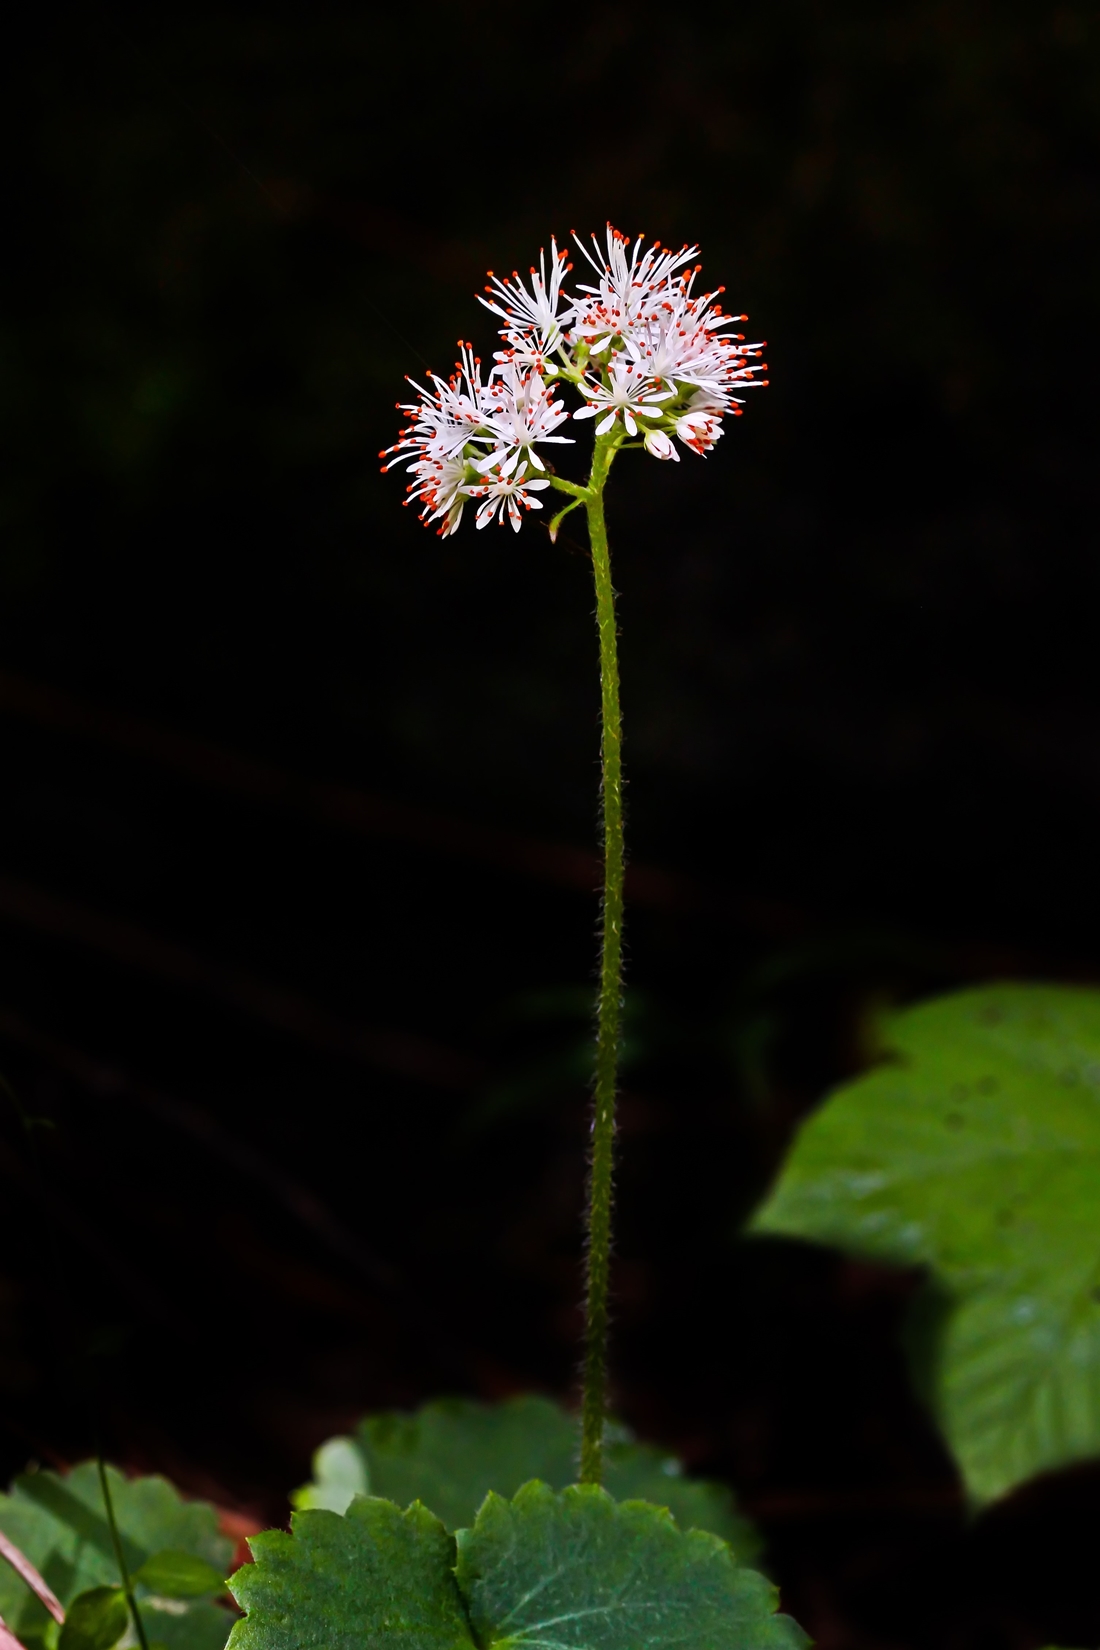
(95, 1620)
(976, 1153)
(576, 1570)
(339, 1474)
(173, 1574)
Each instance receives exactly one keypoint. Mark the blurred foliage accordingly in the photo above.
(451, 1453)
(60, 1524)
(975, 1151)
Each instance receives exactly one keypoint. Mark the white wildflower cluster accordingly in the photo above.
(654, 361)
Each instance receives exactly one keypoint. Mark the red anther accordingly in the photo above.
(488, 272)
(534, 271)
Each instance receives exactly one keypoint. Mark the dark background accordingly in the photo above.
(296, 845)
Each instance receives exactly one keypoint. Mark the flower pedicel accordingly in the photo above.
(654, 363)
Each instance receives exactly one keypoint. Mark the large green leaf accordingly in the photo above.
(450, 1454)
(59, 1522)
(976, 1152)
(579, 1571)
(569, 1571)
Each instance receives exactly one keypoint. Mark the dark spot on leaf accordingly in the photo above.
(1005, 1217)
(988, 1085)
(1070, 1076)
(991, 1015)
(959, 1091)
(1095, 1292)
(954, 1120)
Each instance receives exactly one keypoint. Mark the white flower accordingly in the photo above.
(676, 346)
(445, 419)
(534, 312)
(629, 395)
(506, 493)
(700, 425)
(438, 483)
(631, 283)
(523, 411)
(658, 443)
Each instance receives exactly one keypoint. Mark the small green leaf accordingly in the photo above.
(377, 1577)
(578, 1571)
(339, 1474)
(977, 1153)
(173, 1574)
(95, 1620)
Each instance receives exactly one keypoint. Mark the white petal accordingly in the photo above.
(628, 420)
(605, 423)
(535, 459)
(585, 412)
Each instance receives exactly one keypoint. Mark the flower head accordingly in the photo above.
(655, 361)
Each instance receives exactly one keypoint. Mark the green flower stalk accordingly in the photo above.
(656, 364)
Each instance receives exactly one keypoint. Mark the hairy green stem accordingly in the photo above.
(610, 994)
(120, 1559)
